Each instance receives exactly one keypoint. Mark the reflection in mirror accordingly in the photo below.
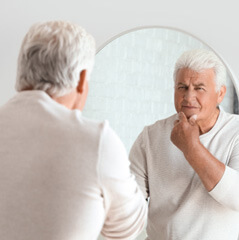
(132, 82)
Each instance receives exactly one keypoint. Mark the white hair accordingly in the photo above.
(52, 56)
(199, 60)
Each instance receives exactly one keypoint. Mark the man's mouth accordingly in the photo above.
(189, 107)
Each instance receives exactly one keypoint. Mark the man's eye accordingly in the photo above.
(182, 87)
(200, 89)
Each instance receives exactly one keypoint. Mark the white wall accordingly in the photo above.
(215, 22)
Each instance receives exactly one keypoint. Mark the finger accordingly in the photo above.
(176, 122)
(182, 116)
(192, 119)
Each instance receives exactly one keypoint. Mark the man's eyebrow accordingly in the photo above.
(199, 84)
(180, 83)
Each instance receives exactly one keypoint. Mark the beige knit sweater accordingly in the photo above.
(180, 208)
(63, 177)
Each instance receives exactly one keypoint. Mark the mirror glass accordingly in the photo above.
(132, 81)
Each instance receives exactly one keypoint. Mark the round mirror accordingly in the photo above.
(132, 82)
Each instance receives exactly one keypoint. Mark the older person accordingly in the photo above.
(188, 164)
(62, 176)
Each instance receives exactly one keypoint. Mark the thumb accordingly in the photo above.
(192, 119)
(182, 116)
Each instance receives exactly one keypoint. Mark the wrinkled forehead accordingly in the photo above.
(204, 76)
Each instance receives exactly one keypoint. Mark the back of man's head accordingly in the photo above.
(199, 60)
(52, 56)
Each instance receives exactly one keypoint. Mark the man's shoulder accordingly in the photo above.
(226, 127)
(159, 130)
(232, 120)
(165, 123)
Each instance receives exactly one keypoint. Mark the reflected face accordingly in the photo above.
(195, 93)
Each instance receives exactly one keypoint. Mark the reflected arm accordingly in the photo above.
(209, 169)
(222, 182)
(138, 165)
(226, 191)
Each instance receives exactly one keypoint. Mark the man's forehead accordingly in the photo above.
(201, 77)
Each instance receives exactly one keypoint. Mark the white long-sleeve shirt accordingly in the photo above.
(180, 208)
(62, 176)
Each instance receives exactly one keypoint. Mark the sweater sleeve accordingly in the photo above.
(226, 191)
(138, 166)
(125, 207)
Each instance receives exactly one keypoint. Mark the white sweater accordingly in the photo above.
(63, 177)
(180, 208)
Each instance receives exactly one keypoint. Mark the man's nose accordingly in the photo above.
(189, 94)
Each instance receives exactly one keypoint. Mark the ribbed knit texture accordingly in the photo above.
(180, 208)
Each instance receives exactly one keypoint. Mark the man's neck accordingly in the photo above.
(207, 125)
(67, 100)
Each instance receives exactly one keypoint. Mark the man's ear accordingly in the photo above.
(222, 93)
(82, 81)
(81, 91)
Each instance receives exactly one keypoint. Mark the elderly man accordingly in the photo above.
(188, 164)
(62, 176)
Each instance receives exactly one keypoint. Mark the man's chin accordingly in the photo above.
(189, 114)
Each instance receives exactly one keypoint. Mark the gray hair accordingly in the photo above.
(52, 56)
(199, 60)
